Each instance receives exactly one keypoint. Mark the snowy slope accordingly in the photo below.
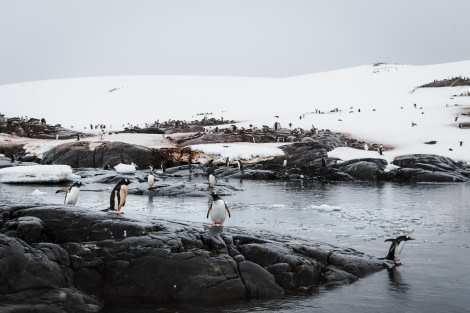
(385, 96)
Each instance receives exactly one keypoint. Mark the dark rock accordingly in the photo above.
(259, 283)
(146, 130)
(429, 168)
(82, 255)
(34, 128)
(363, 169)
(102, 155)
(39, 277)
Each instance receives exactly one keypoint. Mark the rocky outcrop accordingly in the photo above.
(104, 155)
(428, 168)
(306, 157)
(34, 128)
(56, 256)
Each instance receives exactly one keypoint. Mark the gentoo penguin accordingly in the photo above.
(71, 195)
(284, 163)
(217, 210)
(212, 180)
(151, 178)
(396, 248)
(240, 166)
(119, 195)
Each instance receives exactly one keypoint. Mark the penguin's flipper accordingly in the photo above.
(209, 211)
(228, 211)
(62, 190)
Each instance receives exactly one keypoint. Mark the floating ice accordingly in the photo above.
(37, 192)
(37, 174)
(125, 168)
(326, 208)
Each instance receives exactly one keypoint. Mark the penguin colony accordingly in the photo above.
(218, 208)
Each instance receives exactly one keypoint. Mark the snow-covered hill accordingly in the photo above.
(377, 103)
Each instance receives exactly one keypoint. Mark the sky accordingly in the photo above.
(54, 39)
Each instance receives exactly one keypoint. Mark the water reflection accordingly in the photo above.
(150, 205)
(397, 284)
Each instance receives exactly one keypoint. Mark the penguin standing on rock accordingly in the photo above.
(396, 248)
(150, 178)
(119, 195)
(71, 195)
(240, 166)
(218, 210)
(212, 180)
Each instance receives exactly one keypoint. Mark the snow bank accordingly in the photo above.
(242, 151)
(37, 174)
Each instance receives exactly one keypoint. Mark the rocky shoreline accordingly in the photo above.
(305, 157)
(63, 260)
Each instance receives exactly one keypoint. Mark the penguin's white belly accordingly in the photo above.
(399, 248)
(116, 200)
(212, 179)
(72, 196)
(151, 180)
(218, 212)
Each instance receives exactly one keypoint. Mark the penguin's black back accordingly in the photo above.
(116, 194)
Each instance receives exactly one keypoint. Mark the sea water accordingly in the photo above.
(434, 277)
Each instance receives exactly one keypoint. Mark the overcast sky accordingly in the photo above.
(50, 39)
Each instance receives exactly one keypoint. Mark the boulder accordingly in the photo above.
(38, 278)
(363, 169)
(428, 168)
(101, 155)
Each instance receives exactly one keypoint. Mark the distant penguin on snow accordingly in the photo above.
(218, 210)
(396, 248)
(71, 195)
(119, 195)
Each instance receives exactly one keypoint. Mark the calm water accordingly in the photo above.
(434, 277)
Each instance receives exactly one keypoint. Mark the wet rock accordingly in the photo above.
(97, 255)
(428, 168)
(363, 169)
(39, 278)
(259, 283)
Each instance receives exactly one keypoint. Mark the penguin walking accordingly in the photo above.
(71, 195)
(150, 178)
(119, 195)
(396, 248)
(218, 210)
(212, 180)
